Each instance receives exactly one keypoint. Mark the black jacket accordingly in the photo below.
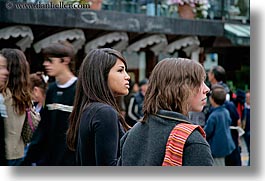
(48, 145)
(99, 136)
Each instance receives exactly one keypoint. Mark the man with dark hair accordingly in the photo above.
(216, 75)
(48, 146)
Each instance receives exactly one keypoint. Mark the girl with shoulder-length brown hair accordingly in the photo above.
(176, 86)
(17, 96)
(96, 123)
(174, 83)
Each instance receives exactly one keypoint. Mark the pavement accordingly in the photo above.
(244, 152)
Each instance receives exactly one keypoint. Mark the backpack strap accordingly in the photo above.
(176, 141)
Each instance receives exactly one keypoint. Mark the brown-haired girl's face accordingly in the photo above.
(38, 94)
(198, 101)
(3, 70)
(118, 79)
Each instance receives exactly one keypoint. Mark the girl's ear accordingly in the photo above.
(35, 88)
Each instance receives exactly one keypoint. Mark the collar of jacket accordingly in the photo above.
(172, 116)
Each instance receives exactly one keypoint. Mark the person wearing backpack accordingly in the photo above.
(176, 86)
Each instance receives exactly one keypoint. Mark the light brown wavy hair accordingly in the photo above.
(18, 80)
(172, 82)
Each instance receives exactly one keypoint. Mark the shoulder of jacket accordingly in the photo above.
(98, 106)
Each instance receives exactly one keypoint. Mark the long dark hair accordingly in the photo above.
(171, 83)
(92, 86)
(18, 80)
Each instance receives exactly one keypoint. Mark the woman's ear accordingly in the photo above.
(36, 90)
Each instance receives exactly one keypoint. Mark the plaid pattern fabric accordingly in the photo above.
(176, 142)
(31, 122)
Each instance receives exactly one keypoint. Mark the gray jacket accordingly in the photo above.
(145, 143)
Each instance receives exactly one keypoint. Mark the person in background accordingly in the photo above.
(217, 76)
(234, 159)
(39, 85)
(3, 78)
(48, 146)
(96, 123)
(135, 112)
(239, 102)
(127, 99)
(246, 123)
(176, 86)
(17, 98)
(217, 127)
(135, 87)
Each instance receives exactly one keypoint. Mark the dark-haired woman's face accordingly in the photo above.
(118, 79)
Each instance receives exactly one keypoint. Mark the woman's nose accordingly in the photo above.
(127, 77)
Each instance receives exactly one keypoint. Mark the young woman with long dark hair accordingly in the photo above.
(96, 123)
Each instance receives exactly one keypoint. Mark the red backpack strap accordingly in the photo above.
(176, 142)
